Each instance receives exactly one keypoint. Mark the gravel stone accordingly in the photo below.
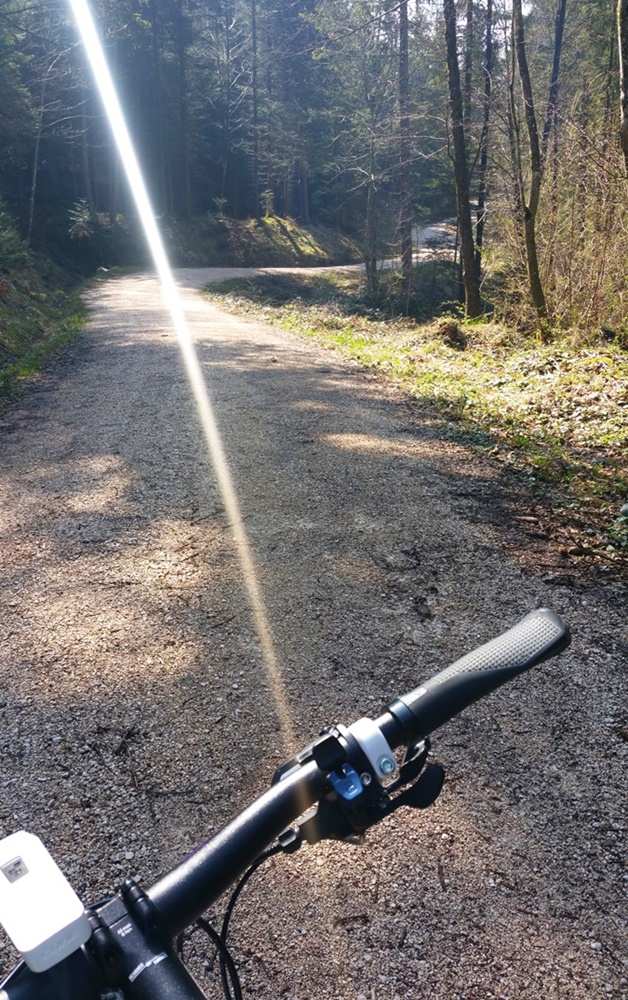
(137, 714)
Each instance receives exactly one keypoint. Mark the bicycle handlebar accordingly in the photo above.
(180, 896)
(537, 637)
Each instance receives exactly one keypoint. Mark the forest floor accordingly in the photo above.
(137, 710)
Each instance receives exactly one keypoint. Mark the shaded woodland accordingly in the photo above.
(366, 116)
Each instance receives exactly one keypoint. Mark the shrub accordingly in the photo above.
(14, 252)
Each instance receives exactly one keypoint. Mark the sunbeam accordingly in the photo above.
(113, 110)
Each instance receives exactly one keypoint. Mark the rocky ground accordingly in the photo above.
(137, 710)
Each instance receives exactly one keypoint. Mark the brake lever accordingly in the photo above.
(358, 802)
(412, 764)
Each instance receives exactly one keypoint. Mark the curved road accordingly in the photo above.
(136, 713)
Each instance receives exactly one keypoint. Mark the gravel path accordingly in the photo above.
(136, 714)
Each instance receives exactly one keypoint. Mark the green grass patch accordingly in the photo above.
(36, 319)
(87, 240)
(556, 414)
(39, 307)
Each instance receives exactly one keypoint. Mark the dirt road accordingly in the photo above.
(136, 714)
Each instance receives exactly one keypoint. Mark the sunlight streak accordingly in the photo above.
(172, 301)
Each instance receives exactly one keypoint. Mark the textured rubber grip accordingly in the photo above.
(535, 638)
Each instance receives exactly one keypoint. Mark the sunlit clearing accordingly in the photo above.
(172, 301)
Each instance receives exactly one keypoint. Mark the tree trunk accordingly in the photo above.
(622, 35)
(486, 114)
(405, 215)
(87, 176)
(609, 90)
(226, 87)
(473, 300)
(370, 233)
(304, 199)
(551, 117)
(161, 178)
(113, 158)
(183, 108)
(114, 187)
(514, 145)
(530, 207)
(35, 170)
(255, 95)
(468, 71)
(287, 192)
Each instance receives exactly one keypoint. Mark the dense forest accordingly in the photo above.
(309, 131)
(368, 115)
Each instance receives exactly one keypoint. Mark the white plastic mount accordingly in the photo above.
(39, 909)
(375, 748)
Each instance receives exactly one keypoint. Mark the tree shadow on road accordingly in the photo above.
(133, 670)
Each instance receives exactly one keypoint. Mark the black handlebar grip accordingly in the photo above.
(535, 638)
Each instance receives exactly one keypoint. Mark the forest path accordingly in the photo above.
(136, 714)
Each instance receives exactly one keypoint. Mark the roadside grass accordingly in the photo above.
(89, 240)
(35, 321)
(556, 414)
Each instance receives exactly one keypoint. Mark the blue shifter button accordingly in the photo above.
(346, 782)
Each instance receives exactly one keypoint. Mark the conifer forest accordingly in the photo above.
(367, 116)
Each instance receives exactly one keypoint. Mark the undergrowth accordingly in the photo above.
(94, 241)
(218, 241)
(39, 341)
(554, 413)
(37, 316)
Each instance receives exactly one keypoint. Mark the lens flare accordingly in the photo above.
(172, 301)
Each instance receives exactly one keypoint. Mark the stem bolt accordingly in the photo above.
(386, 765)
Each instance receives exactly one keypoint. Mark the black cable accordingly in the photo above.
(230, 907)
(240, 886)
(232, 989)
(227, 965)
(229, 977)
